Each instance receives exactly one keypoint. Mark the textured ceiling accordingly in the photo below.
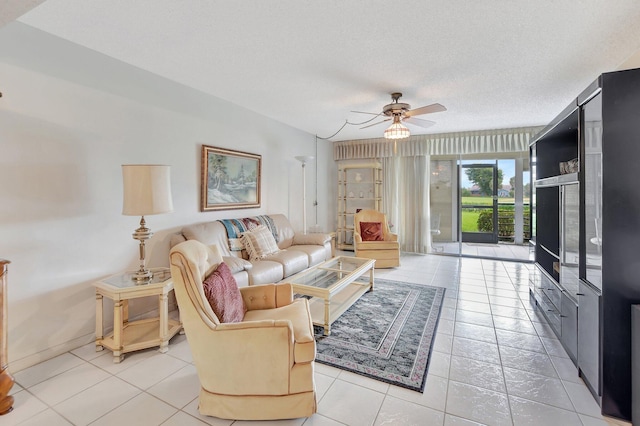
(12, 9)
(309, 63)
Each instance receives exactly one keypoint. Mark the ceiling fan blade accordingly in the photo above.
(370, 113)
(426, 110)
(375, 124)
(418, 122)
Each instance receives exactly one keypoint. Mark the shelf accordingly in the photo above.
(569, 178)
(141, 334)
(345, 246)
(362, 182)
(374, 165)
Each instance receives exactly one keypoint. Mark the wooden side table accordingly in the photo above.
(128, 336)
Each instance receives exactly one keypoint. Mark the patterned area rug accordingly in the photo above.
(386, 335)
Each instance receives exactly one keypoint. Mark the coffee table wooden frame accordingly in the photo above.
(328, 303)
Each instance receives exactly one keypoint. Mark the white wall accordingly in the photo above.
(69, 118)
(632, 62)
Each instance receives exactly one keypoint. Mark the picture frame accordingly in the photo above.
(229, 179)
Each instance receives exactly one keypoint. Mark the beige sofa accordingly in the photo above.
(257, 369)
(298, 251)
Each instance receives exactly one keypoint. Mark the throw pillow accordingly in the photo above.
(222, 292)
(259, 243)
(371, 231)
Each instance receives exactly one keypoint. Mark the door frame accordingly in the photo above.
(480, 237)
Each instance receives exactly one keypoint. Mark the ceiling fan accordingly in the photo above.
(400, 113)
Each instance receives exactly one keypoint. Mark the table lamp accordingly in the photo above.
(146, 191)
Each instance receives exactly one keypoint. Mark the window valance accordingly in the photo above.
(475, 142)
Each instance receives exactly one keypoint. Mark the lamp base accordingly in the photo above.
(142, 234)
(142, 276)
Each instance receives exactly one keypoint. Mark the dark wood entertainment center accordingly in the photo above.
(587, 233)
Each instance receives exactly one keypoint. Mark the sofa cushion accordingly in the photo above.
(315, 254)
(242, 278)
(237, 264)
(285, 230)
(223, 295)
(293, 261)
(176, 239)
(209, 233)
(371, 231)
(265, 272)
(259, 243)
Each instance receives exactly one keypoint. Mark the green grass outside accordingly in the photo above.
(470, 216)
(470, 220)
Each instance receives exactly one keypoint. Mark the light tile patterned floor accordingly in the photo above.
(494, 362)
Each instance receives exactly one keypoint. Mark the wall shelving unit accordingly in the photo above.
(359, 187)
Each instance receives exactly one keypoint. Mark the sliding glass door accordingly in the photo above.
(479, 203)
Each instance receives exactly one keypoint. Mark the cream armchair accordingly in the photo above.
(257, 369)
(386, 252)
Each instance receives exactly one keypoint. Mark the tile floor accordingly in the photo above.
(494, 362)
(502, 250)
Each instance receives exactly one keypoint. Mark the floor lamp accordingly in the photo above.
(304, 159)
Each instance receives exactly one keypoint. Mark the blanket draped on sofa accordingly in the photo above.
(235, 227)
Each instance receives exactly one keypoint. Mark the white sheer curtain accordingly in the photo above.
(390, 191)
(405, 198)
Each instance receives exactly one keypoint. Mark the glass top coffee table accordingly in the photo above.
(333, 287)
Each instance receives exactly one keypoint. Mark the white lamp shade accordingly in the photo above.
(147, 189)
(304, 158)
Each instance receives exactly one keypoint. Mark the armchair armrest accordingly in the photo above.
(267, 296)
(253, 325)
(357, 238)
(390, 236)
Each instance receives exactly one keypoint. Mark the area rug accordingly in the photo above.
(386, 335)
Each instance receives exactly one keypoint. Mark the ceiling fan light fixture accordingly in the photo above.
(397, 130)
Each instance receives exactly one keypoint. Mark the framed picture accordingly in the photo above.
(230, 179)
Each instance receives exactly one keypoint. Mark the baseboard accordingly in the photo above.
(70, 345)
(31, 360)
